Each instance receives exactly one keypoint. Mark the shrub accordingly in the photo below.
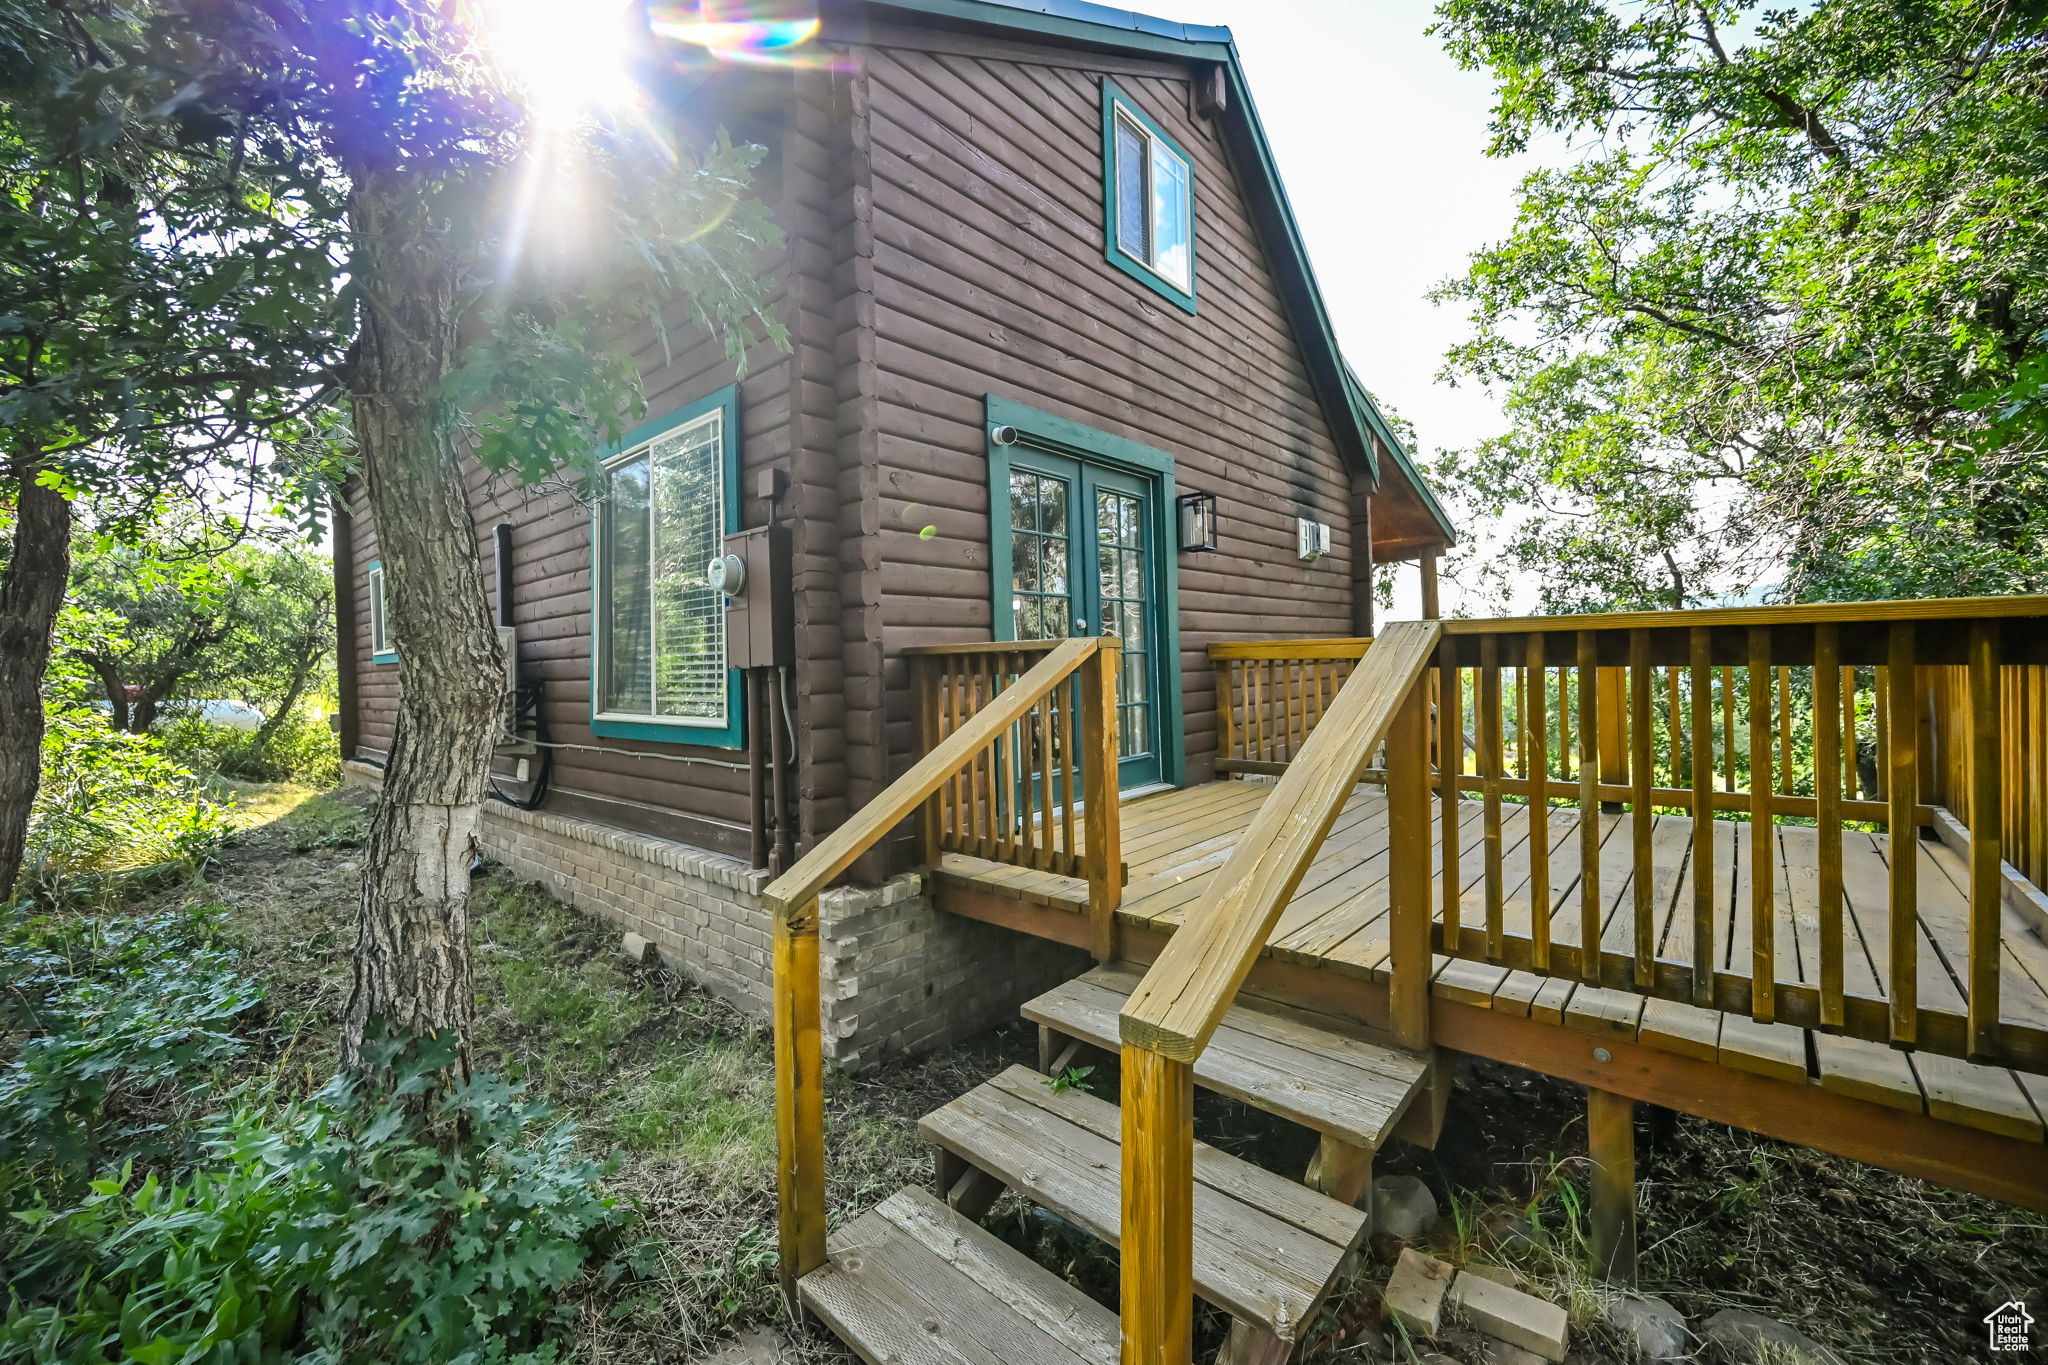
(110, 802)
(387, 1218)
(110, 1022)
(298, 750)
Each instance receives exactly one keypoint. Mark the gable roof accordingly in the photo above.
(1362, 430)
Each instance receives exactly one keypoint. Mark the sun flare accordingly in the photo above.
(568, 57)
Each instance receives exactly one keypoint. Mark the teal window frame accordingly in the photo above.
(1058, 435)
(1114, 98)
(379, 592)
(679, 729)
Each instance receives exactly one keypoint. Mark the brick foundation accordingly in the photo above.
(898, 974)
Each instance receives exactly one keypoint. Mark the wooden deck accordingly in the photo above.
(1173, 842)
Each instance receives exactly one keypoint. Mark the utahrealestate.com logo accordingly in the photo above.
(2010, 1325)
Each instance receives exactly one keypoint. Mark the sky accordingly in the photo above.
(1381, 142)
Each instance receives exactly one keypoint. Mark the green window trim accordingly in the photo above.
(677, 730)
(1044, 431)
(1115, 100)
(380, 615)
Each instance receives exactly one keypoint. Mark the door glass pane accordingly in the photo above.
(628, 681)
(1039, 556)
(1120, 547)
(1172, 215)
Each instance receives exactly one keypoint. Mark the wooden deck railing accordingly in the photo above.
(1772, 716)
(1183, 997)
(1271, 693)
(2022, 759)
(1083, 665)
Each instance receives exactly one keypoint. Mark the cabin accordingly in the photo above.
(1007, 646)
(1058, 367)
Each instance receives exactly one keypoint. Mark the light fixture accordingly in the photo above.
(1197, 520)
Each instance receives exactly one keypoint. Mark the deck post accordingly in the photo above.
(1611, 688)
(1158, 1251)
(799, 1098)
(1408, 868)
(1101, 816)
(1611, 1140)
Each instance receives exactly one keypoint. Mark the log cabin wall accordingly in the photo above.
(692, 793)
(989, 277)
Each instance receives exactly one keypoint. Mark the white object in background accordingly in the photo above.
(1313, 538)
(236, 715)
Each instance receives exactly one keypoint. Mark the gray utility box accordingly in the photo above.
(760, 623)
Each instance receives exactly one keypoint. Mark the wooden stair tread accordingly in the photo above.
(1266, 1249)
(910, 1282)
(1335, 1084)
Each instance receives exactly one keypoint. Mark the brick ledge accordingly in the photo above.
(726, 871)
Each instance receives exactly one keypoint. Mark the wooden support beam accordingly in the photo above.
(799, 1098)
(1430, 610)
(1408, 870)
(1611, 1141)
(1103, 810)
(1340, 1169)
(1158, 1265)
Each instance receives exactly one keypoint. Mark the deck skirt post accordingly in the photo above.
(1611, 1141)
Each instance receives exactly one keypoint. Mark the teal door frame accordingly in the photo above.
(1094, 460)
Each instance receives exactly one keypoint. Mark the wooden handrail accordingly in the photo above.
(792, 899)
(838, 850)
(1796, 614)
(1335, 647)
(1189, 987)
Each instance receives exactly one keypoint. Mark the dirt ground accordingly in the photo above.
(1879, 1267)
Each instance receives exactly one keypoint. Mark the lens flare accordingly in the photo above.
(740, 42)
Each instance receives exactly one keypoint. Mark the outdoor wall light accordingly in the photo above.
(1197, 520)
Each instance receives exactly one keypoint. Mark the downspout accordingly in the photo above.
(345, 661)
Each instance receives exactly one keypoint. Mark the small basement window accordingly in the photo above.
(1149, 200)
(666, 504)
(381, 649)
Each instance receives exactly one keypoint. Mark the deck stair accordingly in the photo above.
(1354, 1092)
(911, 1282)
(916, 1279)
(1266, 1249)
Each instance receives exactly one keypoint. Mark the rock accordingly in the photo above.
(1415, 1292)
(1518, 1319)
(1741, 1337)
(1402, 1207)
(1508, 1230)
(761, 1346)
(1652, 1327)
(1494, 1351)
(635, 947)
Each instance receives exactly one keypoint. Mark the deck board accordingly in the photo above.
(1338, 920)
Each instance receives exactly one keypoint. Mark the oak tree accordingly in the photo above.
(1777, 318)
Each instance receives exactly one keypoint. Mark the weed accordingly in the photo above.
(1073, 1078)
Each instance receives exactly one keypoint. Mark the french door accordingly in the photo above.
(1083, 561)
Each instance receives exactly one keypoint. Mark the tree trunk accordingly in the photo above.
(412, 968)
(37, 573)
(302, 672)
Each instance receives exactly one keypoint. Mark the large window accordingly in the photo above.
(667, 502)
(1149, 195)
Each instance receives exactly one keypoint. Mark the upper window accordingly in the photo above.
(666, 504)
(1149, 194)
(381, 649)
